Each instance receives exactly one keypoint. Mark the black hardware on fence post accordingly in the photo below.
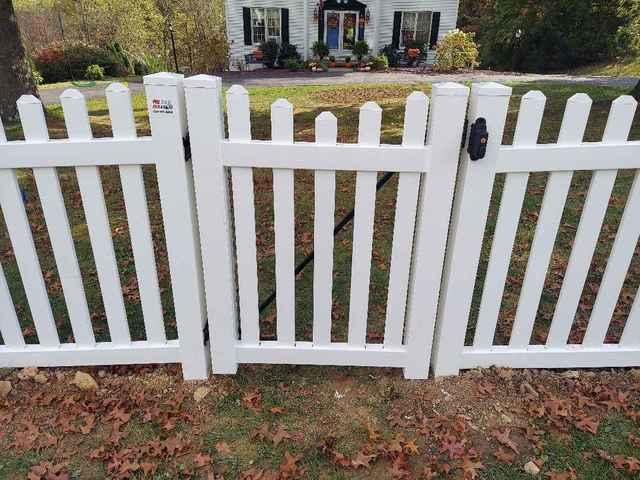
(478, 139)
(338, 228)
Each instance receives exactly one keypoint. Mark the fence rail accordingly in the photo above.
(209, 214)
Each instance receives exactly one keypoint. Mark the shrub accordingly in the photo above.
(391, 53)
(288, 51)
(149, 63)
(35, 73)
(320, 49)
(94, 72)
(293, 64)
(381, 62)
(361, 49)
(456, 51)
(58, 63)
(270, 50)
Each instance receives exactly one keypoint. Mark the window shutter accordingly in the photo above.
(246, 20)
(285, 25)
(397, 25)
(435, 30)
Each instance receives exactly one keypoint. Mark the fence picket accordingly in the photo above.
(572, 131)
(446, 121)
(365, 205)
(324, 218)
(631, 334)
(470, 210)
(55, 215)
(515, 187)
(135, 201)
(284, 225)
(593, 213)
(95, 209)
(9, 324)
(415, 127)
(206, 132)
(238, 112)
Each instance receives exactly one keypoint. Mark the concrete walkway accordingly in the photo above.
(280, 78)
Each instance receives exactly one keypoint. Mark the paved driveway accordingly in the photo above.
(270, 78)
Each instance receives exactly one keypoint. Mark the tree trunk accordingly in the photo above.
(635, 93)
(15, 73)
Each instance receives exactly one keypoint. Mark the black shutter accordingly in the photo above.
(397, 25)
(246, 20)
(285, 25)
(435, 30)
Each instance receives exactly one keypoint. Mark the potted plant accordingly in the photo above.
(320, 49)
(347, 62)
(361, 50)
(332, 61)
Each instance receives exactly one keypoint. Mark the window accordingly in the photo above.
(265, 24)
(416, 26)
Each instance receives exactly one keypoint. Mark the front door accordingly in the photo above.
(341, 31)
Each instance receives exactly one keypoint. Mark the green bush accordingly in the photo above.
(58, 63)
(293, 64)
(456, 51)
(381, 62)
(270, 51)
(287, 51)
(361, 49)
(94, 72)
(320, 49)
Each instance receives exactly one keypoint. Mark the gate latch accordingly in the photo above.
(478, 139)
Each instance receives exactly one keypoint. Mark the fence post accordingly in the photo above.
(206, 132)
(167, 116)
(448, 108)
(470, 210)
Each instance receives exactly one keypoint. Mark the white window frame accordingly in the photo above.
(267, 37)
(415, 25)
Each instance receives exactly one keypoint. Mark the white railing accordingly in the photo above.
(37, 152)
(424, 214)
(470, 215)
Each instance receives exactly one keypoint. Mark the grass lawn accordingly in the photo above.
(629, 67)
(98, 83)
(315, 408)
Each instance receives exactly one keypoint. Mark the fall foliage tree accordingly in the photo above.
(15, 74)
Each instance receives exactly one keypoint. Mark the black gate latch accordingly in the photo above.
(478, 139)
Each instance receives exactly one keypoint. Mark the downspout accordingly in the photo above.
(306, 29)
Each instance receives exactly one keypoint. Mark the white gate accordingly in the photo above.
(425, 192)
(164, 149)
(471, 208)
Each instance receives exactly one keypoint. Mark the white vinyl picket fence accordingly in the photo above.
(164, 149)
(422, 213)
(475, 185)
(209, 215)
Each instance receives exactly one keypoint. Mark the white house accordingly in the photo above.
(338, 23)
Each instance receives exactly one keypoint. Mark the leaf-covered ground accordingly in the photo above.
(292, 422)
(288, 422)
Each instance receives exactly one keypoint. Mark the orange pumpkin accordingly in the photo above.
(413, 52)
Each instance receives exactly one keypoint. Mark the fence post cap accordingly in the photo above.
(72, 93)
(202, 81)
(450, 89)
(164, 79)
(371, 106)
(282, 103)
(28, 100)
(237, 90)
(491, 89)
(117, 87)
(534, 95)
(625, 100)
(580, 98)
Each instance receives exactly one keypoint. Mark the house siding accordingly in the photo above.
(378, 32)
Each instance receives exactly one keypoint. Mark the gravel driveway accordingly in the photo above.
(271, 78)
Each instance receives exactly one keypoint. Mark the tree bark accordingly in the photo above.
(15, 73)
(635, 93)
